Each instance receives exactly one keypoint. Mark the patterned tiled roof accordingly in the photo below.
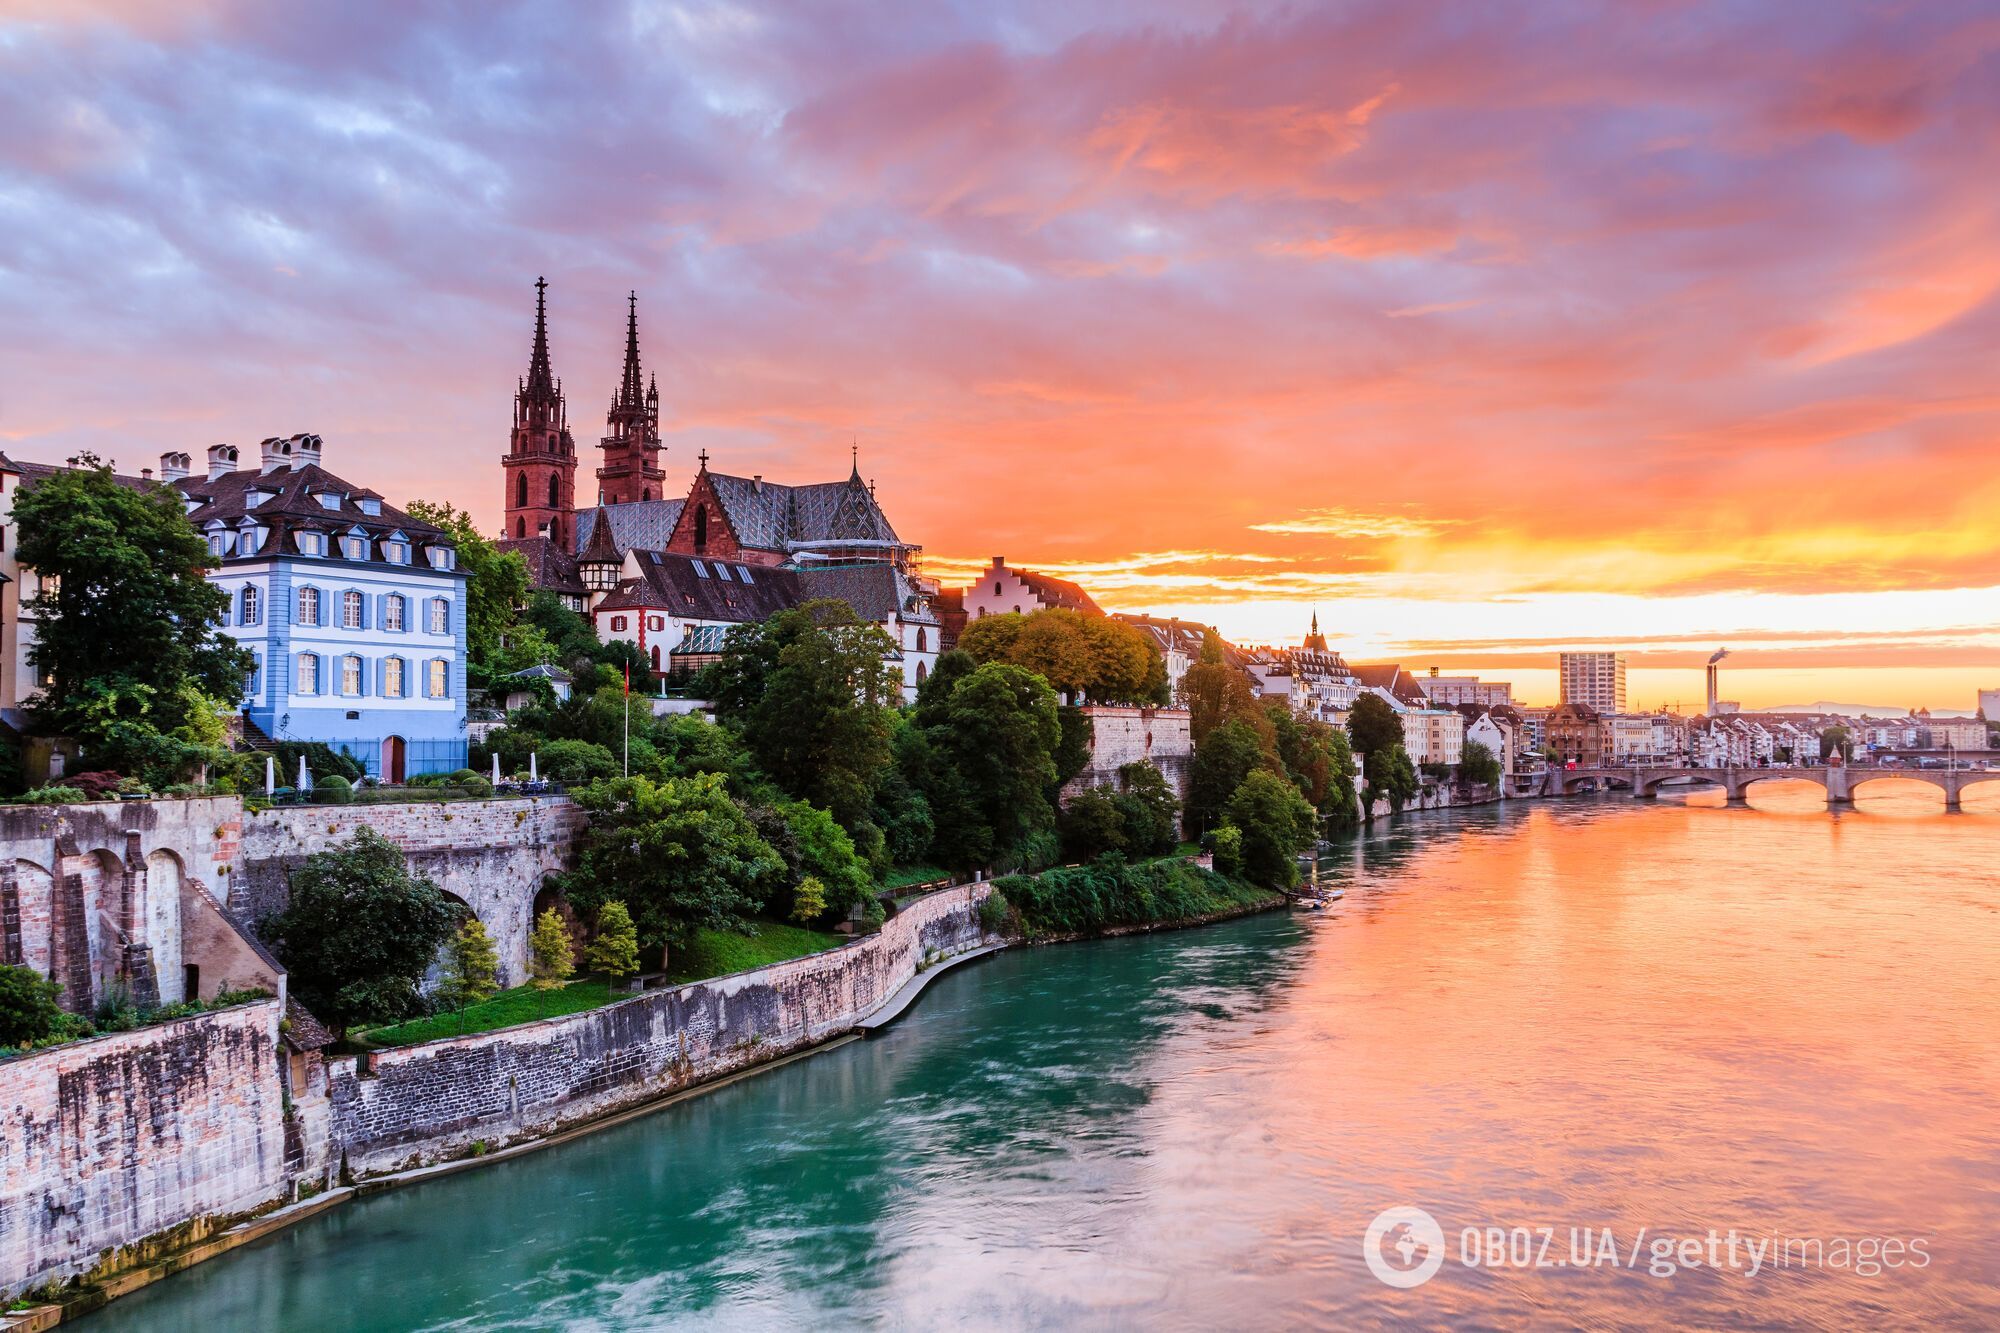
(771, 517)
(549, 566)
(697, 588)
(644, 524)
(875, 591)
(1057, 592)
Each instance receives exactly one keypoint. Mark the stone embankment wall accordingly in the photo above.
(491, 855)
(422, 1104)
(109, 1142)
(1121, 736)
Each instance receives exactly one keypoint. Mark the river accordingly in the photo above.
(1591, 1017)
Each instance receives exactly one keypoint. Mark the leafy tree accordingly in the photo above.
(551, 953)
(902, 811)
(360, 931)
(128, 631)
(1372, 725)
(1222, 759)
(1092, 824)
(1213, 691)
(1391, 775)
(615, 951)
(809, 903)
(497, 586)
(1476, 763)
(471, 966)
(1082, 656)
(1836, 738)
(993, 748)
(679, 853)
(1150, 809)
(1276, 823)
(1073, 750)
(28, 1009)
(811, 692)
(1226, 845)
(1316, 757)
(827, 856)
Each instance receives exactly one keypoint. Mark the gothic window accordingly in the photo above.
(646, 494)
(392, 612)
(308, 674)
(656, 657)
(392, 677)
(923, 640)
(309, 606)
(251, 610)
(923, 673)
(701, 528)
(350, 610)
(521, 490)
(520, 527)
(438, 682)
(552, 490)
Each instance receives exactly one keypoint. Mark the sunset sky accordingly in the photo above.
(1484, 330)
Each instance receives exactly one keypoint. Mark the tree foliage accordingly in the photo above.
(1477, 763)
(679, 853)
(1081, 656)
(615, 949)
(1214, 691)
(496, 587)
(1317, 758)
(1222, 759)
(1276, 824)
(471, 966)
(28, 1009)
(360, 932)
(986, 760)
(551, 952)
(128, 629)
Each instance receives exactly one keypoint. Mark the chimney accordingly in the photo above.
(173, 467)
(221, 459)
(277, 454)
(999, 562)
(306, 449)
(145, 474)
(757, 483)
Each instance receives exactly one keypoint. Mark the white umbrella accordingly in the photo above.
(305, 778)
(496, 768)
(534, 774)
(270, 775)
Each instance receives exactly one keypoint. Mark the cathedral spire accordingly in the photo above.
(541, 383)
(632, 385)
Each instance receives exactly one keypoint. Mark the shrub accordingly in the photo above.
(95, 786)
(52, 796)
(28, 1010)
(469, 782)
(335, 790)
(809, 900)
(472, 966)
(1226, 844)
(551, 957)
(615, 951)
(994, 912)
(1086, 900)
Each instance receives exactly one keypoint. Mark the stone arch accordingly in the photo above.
(434, 974)
(1859, 778)
(103, 876)
(158, 914)
(546, 898)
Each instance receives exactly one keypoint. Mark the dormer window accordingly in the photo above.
(396, 549)
(354, 548)
(329, 500)
(255, 496)
(312, 543)
(442, 557)
(370, 505)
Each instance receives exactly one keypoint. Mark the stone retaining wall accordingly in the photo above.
(107, 1142)
(427, 1103)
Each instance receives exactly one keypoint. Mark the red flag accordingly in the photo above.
(628, 680)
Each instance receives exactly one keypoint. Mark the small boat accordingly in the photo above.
(1313, 899)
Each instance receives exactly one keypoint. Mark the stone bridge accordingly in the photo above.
(1840, 783)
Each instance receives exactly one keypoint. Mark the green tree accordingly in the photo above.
(1222, 759)
(809, 903)
(1836, 738)
(28, 1009)
(1213, 690)
(1372, 725)
(359, 932)
(495, 591)
(1317, 758)
(128, 631)
(1150, 810)
(811, 692)
(826, 855)
(471, 966)
(615, 951)
(1476, 763)
(679, 853)
(1391, 775)
(551, 952)
(993, 745)
(1092, 824)
(1082, 656)
(1276, 822)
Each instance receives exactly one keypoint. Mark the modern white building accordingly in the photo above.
(1596, 680)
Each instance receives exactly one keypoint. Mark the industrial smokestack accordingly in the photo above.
(1713, 672)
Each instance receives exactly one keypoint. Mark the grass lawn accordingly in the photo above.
(523, 1004)
(902, 877)
(716, 953)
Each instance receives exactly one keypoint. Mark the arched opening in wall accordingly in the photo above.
(394, 753)
(435, 974)
(33, 886)
(549, 900)
(701, 529)
(656, 657)
(520, 527)
(552, 490)
(160, 919)
(923, 673)
(521, 491)
(103, 896)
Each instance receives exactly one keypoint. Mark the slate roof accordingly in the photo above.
(645, 524)
(772, 517)
(1167, 634)
(1057, 592)
(875, 591)
(702, 639)
(301, 1031)
(1392, 679)
(549, 566)
(695, 588)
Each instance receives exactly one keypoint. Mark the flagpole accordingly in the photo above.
(628, 719)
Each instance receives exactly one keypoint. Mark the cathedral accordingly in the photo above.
(671, 574)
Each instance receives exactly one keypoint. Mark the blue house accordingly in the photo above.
(353, 610)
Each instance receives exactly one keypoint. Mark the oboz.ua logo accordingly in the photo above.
(1404, 1247)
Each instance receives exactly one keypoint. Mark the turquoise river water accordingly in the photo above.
(1568, 1033)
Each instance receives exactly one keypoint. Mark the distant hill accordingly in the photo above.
(1864, 710)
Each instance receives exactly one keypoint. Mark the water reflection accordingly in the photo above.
(1598, 1012)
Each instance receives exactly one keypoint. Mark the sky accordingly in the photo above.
(1480, 330)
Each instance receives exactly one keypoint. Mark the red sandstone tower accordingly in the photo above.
(541, 456)
(631, 447)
